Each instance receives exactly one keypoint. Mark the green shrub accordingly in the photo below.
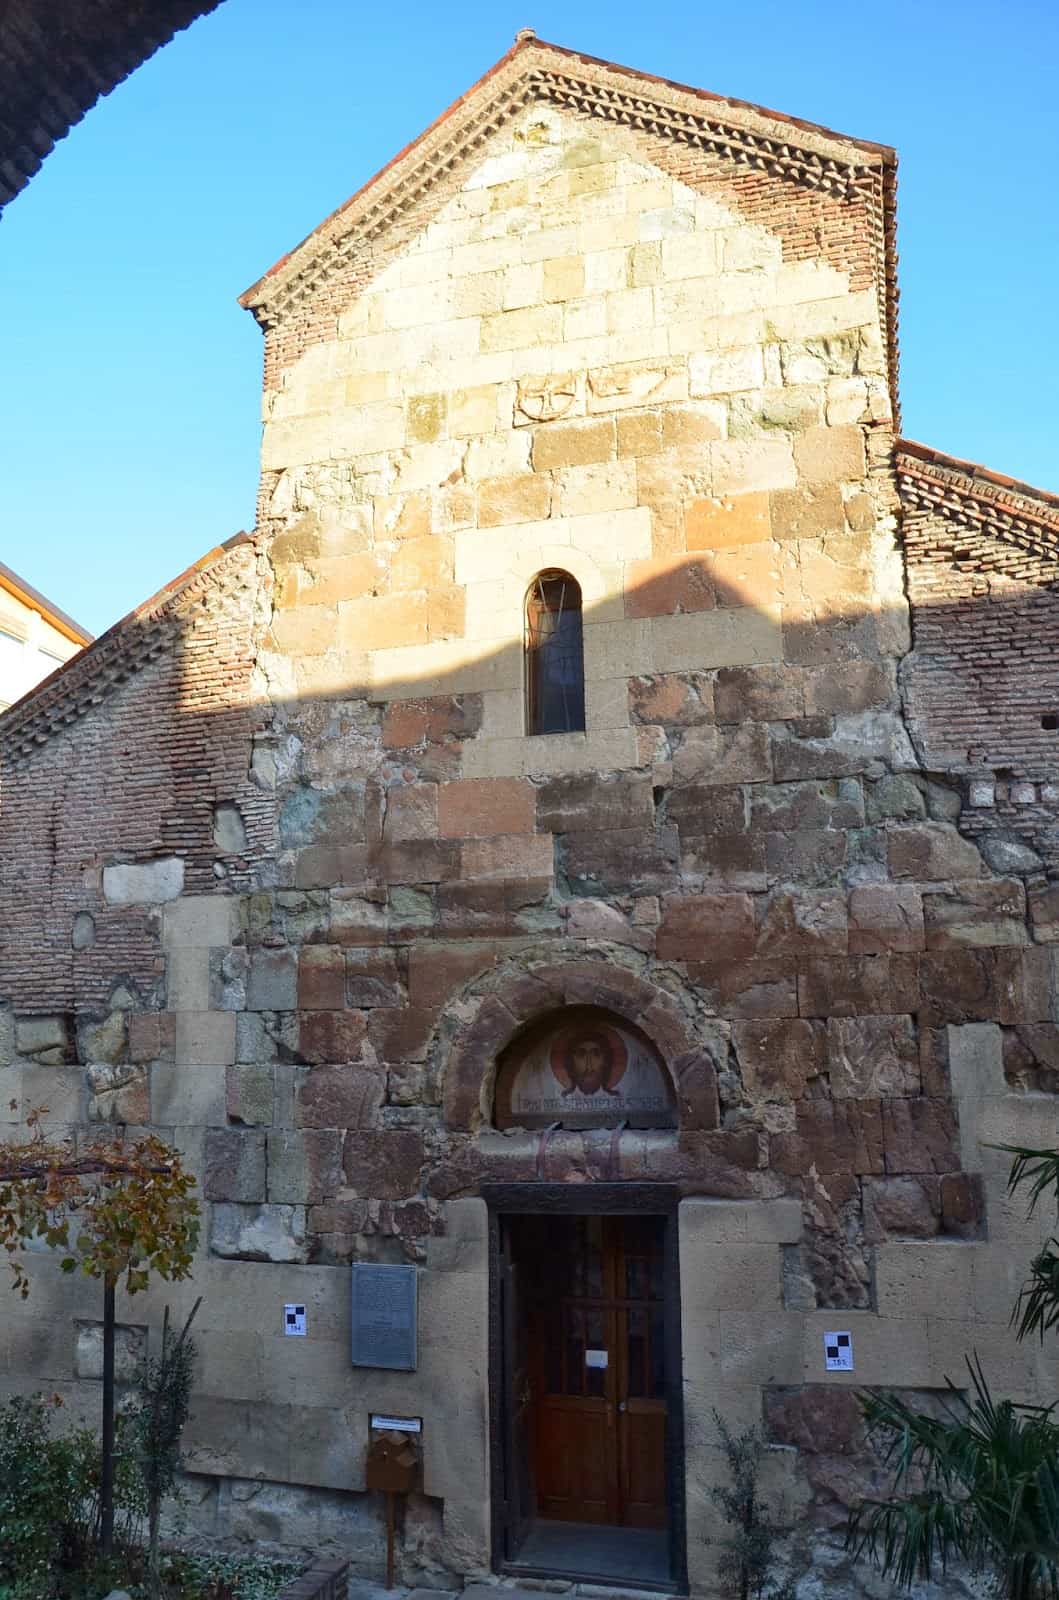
(49, 1498)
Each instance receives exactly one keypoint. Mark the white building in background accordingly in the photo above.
(35, 637)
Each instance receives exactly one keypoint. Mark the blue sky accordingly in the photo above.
(129, 408)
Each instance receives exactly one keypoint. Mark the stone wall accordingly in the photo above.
(287, 875)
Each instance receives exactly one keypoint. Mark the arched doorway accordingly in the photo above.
(587, 1423)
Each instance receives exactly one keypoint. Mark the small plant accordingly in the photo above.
(49, 1498)
(744, 1568)
(156, 1421)
(980, 1483)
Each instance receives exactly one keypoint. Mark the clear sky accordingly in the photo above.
(129, 406)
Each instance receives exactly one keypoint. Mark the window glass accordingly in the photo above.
(555, 670)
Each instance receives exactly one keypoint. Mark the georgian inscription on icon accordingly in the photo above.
(585, 1070)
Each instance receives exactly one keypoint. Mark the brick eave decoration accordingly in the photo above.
(976, 502)
(81, 683)
(750, 136)
(58, 57)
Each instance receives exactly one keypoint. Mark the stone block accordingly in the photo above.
(672, 699)
(759, 694)
(904, 1207)
(321, 978)
(417, 861)
(202, 920)
(575, 802)
(728, 520)
(858, 985)
(339, 1097)
(698, 809)
(50, 1040)
(980, 912)
(807, 512)
(784, 807)
(777, 1059)
(185, 1096)
(813, 856)
(932, 850)
(958, 986)
(841, 1137)
(482, 808)
(402, 1033)
(384, 1164)
(411, 812)
(130, 1347)
(830, 455)
(730, 637)
(570, 444)
(249, 1094)
(920, 1135)
(331, 1036)
(694, 925)
(623, 860)
(660, 586)
(152, 1035)
(802, 922)
(311, 816)
(885, 916)
(373, 978)
(273, 980)
(205, 1038)
(304, 1166)
(118, 1094)
(735, 987)
(259, 1233)
(234, 1166)
(143, 883)
(933, 1279)
(521, 498)
(187, 971)
(870, 1057)
(708, 755)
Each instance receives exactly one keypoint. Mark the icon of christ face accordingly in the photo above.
(589, 1063)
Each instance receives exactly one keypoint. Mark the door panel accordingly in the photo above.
(518, 1451)
(597, 1368)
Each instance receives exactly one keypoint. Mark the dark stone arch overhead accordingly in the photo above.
(504, 1005)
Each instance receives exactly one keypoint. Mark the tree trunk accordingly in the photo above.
(106, 1486)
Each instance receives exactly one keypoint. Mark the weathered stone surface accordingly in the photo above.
(637, 859)
(331, 1036)
(119, 1094)
(673, 699)
(702, 808)
(932, 850)
(759, 694)
(130, 1347)
(321, 982)
(311, 816)
(694, 926)
(234, 1165)
(872, 1056)
(250, 1090)
(858, 985)
(793, 923)
(1008, 854)
(711, 755)
(920, 1136)
(777, 1059)
(784, 807)
(895, 798)
(143, 883)
(304, 1167)
(385, 1164)
(983, 912)
(339, 1097)
(102, 1039)
(817, 1419)
(259, 1233)
(908, 1208)
(885, 916)
(841, 1137)
(273, 981)
(813, 856)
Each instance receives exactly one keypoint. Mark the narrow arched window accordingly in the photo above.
(555, 660)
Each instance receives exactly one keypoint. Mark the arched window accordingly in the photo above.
(555, 663)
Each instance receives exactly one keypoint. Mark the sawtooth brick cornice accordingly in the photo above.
(85, 682)
(976, 503)
(748, 136)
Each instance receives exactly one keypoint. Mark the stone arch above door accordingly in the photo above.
(503, 1004)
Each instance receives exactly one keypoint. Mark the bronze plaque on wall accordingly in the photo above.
(385, 1302)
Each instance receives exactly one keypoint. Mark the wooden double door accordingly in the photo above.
(585, 1335)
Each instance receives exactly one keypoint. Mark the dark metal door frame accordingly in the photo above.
(589, 1199)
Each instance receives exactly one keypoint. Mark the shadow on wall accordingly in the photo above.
(741, 752)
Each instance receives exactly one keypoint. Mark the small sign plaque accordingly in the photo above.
(596, 1358)
(381, 1423)
(384, 1316)
(295, 1322)
(838, 1352)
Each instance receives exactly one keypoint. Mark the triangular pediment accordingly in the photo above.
(748, 139)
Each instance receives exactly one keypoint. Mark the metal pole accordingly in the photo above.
(106, 1487)
(390, 1513)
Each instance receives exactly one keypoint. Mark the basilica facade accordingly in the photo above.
(592, 848)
